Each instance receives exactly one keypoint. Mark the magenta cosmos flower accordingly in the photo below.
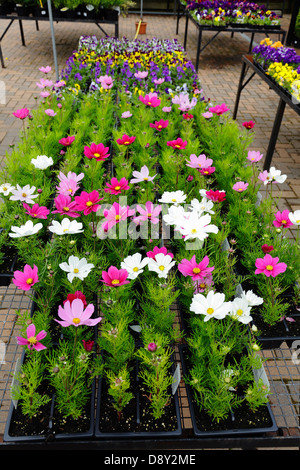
(67, 141)
(267, 248)
(150, 100)
(240, 186)
(32, 340)
(269, 266)
(159, 125)
(152, 347)
(36, 211)
(115, 277)
(150, 212)
(77, 295)
(199, 162)
(116, 187)
(126, 140)
(178, 144)
(97, 151)
(207, 171)
(65, 206)
(21, 113)
(156, 250)
(282, 219)
(26, 279)
(248, 124)
(216, 196)
(88, 202)
(197, 271)
(74, 314)
(219, 109)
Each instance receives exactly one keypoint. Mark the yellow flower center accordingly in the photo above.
(117, 217)
(89, 203)
(173, 200)
(269, 267)
(76, 270)
(196, 270)
(117, 188)
(29, 280)
(283, 221)
(66, 209)
(239, 312)
(135, 269)
(76, 320)
(298, 221)
(145, 179)
(24, 194)
(161, 267)
(210, 311)
(96, 155)
(115, 281)
(149, 215)
(32, 340)
(194, 230)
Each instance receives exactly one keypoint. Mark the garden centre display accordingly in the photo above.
(129, 192)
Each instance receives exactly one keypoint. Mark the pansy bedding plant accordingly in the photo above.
(130, 192)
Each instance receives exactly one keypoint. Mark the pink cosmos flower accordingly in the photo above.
(267, 248)
(67, 187)
(207, 171)
(126, 114)
(167, 109)
(254, 156)
(44, 82)
(116, 187)
(45, 94)
(207, 115)
(126, 140)
(24, 280)
(199, 162)
(198, 271)
(74, 314)
(158, 81)
(216, 196)
(71, 175)
(150, 100)
(116, 214)
(115, 277)
(97, 151)
(248, 124)
(177, 144)
(88, 202)
(106, 82)
(141, 74)
(156, 250)
(50, 112)
(282, 219)
(269, 266)
(240, 186)
(149, 213)
(152, 347)
(65, 206)
(142, 175)
(32, 340)
(219, 109)
(184, 104)
(67, 141)
(159, 125)
(77, 295)
(21, 113)
(36, 211)
(46, 69)
(203, 284)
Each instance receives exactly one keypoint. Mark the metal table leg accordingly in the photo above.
(186, 29)
(274, 135)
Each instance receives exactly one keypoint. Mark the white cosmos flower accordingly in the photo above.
(161, 264)
(295, 217)
(197, 227)
(65, 227)
(134, 265)
(173, 197)
(211, 306)
(252, 298)
(6, 188)
(275, 176)
(24, 230)
(240, 310)
(24, 194)
(41, 162)
(205, 205)
(76, 268)
(174, 216)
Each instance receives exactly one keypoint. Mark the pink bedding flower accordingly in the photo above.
(219, 109)
(116, 187)
(115, 277)
(142, 175)
(67, 187)
(44, 83)
(183, 101)
(198, 271)
(199, 162)
(240, 186)
(24, 280)
(77, 295)
(74, 314)
(126, 140)
(106, 82)
(141, 74)
(97, 151)
(207, 115)
(282, 219)
(177, 144)
(32, 340)
(269, 266)
(36, 211)
(267, 248)
(207, 171)
(159, 125)
(156, 250)
(21, 113)
(149, 213)
(46, 69)
(150, 100)
(188, 117)
(115, 214)
(254, 156)
(216, 196)
(248, 124)
(65, 206)
(88, 202)
(67, 141)
(50, 112)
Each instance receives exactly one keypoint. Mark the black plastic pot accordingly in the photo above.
(40, 12)
(7, 267)
(22, 11)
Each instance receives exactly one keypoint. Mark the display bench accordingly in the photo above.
(113, 19)
(284, 99)
(221, 29)
(281, 365)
